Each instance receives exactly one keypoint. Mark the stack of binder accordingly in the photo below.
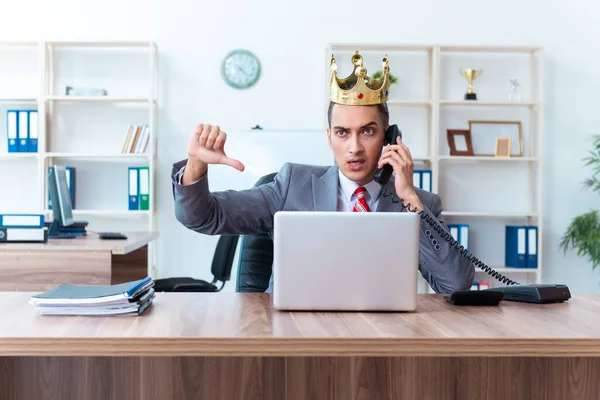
(22, 228)
(22, 131)
(521, 246)
(124, 299)
(139, 188)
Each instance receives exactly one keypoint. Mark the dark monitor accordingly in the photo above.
(60, 196)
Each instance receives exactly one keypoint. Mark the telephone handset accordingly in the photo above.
(382, 176)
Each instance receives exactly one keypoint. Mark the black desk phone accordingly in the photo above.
(513, 291)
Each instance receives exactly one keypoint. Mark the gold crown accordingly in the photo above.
(358, 89)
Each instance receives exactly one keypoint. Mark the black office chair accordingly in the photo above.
(255, 264)
(221, 269)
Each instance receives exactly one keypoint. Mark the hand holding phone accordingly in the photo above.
(397, 158)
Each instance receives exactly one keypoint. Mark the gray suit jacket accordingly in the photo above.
(299, 187)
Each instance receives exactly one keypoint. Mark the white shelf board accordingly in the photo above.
(409, 103)
(108, 99)
(379, 47)
(487, 158)
(109, 212)
(18, 44)
(507, 270)
(487, 214)
(65, 43)
(124, 156)
(478, 103)
(17, 100)
(489, 49)
(19, 156)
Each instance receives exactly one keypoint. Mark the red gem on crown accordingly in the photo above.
(360, 96)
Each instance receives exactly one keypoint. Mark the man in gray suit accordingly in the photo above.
(356, 134)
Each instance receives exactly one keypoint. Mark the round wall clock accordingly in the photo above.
(240, 69)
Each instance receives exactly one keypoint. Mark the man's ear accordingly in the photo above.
(385, 140)
(329, 138)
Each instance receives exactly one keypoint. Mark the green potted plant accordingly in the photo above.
(391, 77)
(583, 233)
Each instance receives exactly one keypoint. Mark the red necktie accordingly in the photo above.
(361, 204)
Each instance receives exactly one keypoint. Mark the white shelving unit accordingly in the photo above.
(129, 71)
(485, 192)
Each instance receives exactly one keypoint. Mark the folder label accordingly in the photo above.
(11, 131)
(23, 131)
(464, 236)
(144, 188)
(133, 188)
(521, 241)
(33, 132)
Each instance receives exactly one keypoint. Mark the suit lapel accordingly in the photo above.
(325, 190)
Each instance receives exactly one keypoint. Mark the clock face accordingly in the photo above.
(240, 69)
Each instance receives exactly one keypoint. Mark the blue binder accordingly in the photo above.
(12, 130)
(461, 233)
(532, 246)
(23, 131)
(422, 179)
(33, 126)
(464, 234)
(21, 220)
(134, 188)
(516, 246)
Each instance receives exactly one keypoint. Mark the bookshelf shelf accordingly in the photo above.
(509, 270)
(409, 103)
(106, 99)
(118, 156)
(86, 132)
(21, 156)
(14, 100)
(486, 158)
(119, 213)
(478, 103)
(98, 44)
(488, 214)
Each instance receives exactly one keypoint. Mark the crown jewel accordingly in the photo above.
(358, 89)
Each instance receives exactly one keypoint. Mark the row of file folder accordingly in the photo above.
(22, 131)
(139, 188)
(422, 179)
(521, 246)
(70, 173)
(22, 228)
(461, 233)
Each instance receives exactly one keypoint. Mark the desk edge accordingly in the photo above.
(371, 347)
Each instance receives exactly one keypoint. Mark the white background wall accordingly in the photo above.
(289, 38)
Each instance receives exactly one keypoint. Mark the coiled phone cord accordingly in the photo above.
(448, 238)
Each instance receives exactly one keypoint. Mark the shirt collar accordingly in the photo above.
(348, 187)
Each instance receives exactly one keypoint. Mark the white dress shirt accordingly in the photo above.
(347, 198)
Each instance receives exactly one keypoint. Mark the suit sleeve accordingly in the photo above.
(442, 265)
(228, 212)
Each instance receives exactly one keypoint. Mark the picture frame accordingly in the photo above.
(484, 134)
(459, 141)
(502, 147)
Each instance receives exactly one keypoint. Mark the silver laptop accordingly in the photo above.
(345, 261)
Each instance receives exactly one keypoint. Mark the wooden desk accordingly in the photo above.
(85, 260)
(235, 346)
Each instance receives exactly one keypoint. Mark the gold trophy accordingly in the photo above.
(471, 74)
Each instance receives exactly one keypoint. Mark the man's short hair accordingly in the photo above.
(384, 113)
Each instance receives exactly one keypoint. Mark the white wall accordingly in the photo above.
(193, 36)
